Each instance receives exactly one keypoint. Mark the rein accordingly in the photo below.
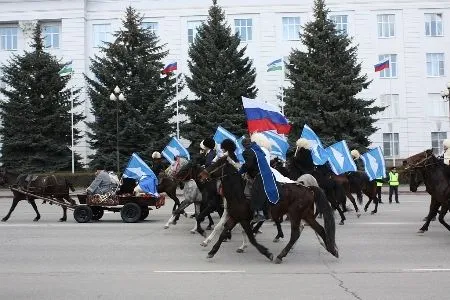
(221, 167)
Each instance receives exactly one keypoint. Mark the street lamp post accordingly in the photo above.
(116, 96)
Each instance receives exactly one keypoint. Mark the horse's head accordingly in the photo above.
(216, 170)
(417, 163)
(187, 172)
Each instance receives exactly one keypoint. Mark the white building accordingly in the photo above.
(414, 34)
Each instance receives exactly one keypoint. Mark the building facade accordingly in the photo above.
(414, 35)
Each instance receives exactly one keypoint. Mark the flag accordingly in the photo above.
(280, 145)
(222, 134)
(67, 69)
(381, 66)
(374, 163)
(319, 155)
(263, 116)
(141, 172)
(340, 159)
(276, 65)
(170, 68)
(173, 149)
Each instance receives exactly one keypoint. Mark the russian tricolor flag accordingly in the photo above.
(170, 68)
(262, 117)
(381, 66)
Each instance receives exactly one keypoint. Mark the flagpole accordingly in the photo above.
(282, 82)
(71, 117)
(178, 116)
(392, 113)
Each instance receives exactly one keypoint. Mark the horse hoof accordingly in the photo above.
(341, 223)
(210, 255)
(373, 212)
(166, 226)
(276, 240)
(421, 231)
(278, 260)
(365, 209)
(203, 244)
(240, 250)
(270, 257)
(63, 219)
(193, 231)
(4, 219)
(36, 219)
(358, 215)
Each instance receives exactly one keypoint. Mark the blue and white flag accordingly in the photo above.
(374, 163)
(223, 134)
(340, 159)
(141, 172)
(319, 155)
(280, 145)
(173, 149)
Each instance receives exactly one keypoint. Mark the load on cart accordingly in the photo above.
(133, 197)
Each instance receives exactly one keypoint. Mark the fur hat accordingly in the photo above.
(261, 140)
(156, 155)
(228, 146)
(446, 143)
(355, 153)
(303, 143)
(208, 143)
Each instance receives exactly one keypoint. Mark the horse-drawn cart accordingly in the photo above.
(132, 208)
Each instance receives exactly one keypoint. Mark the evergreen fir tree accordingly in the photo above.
(325, 81)
(220, 76)
(134, 63)
(36, 118)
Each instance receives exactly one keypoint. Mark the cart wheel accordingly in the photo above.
(130, 213)
(82, 214)
(144, 213)
(97, 213)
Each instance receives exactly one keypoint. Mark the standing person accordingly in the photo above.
(379, 181)
(393, 184)
(102, 183)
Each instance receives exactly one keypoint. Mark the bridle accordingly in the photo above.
(220, 167)
(422, 164)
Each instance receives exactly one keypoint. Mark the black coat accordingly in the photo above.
(250, 165)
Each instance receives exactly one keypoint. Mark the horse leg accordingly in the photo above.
(38, 215)
(211, 222)
(216, 229)
(257, 227)
(434, 206)
(229, 225)
(295, 234)
(64, 208)
(367, 204)
(13, 206)
(244, 245)
(170, 221)
(280, 233)
(443, 212)
(375, 201)
(248, 230)
(335, 205)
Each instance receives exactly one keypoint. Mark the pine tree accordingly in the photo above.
(220, 76)
(133, 62)
(325, 82)
(36, 118)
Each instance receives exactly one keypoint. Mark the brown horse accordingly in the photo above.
(296, 201)
(49, 186)
(169, 186)
(436, 177)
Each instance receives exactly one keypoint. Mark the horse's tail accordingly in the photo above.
(328, 218)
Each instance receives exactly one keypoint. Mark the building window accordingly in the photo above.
(390, 144)
(52, 35)
(102, 34)
(390, 72)
(341, 22)
(391, 101)
(152, 26)
(433, 25)
(436, 106)
(291, 28)
(436, 142)
(243, 27)
(435, 64)
(192, 30)
(8, 38)
(386, 26)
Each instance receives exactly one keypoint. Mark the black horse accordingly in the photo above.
(49, 186)
(436, 177)
(296, 201)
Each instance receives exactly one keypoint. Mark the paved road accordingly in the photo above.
(381, 257)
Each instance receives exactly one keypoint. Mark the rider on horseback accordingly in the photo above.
(303, 162)
(355, 181)
(207, 148)
(158, 164)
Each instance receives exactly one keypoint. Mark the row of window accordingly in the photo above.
(434, 64)
(391, 143)
(435, 107)
(51, 34)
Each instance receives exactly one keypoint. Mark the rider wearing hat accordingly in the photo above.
(303, 161)
(158, 165)
(207, 148)
(355, 181)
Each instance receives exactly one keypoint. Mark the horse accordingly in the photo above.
(169, 186)
(435, 175)
(297, 201)
(367, 186)
(50, 186)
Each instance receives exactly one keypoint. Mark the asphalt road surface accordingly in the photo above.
(381, 257)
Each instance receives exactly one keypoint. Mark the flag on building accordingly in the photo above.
(263, 116)
(319, 155)
(381, 66)
(170, 68)
(280, 145)
(141, 172)
(340, 159)
(276, 65)
(173, 149)
(67, 69)
(374, 163)
(222, 134)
